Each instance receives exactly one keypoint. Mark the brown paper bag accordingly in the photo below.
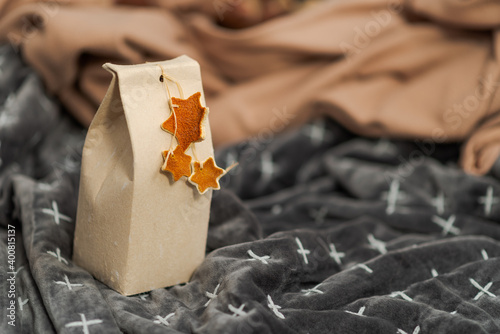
(136, 229)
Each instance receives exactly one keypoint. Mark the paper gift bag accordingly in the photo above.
(136, 228)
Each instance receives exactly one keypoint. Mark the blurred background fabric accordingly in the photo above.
(318, 230)
(401, 69)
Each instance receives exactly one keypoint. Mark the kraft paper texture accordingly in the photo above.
(136, 229)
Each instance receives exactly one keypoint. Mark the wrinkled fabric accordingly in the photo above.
(413, 69)
(316, 231)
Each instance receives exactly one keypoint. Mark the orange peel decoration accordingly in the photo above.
(186, 121)
(206, 176)
(177, 163)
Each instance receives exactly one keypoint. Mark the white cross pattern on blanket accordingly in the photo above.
(377, 244)
(482, 290)
(316, 132)
(315, 289)
(484, 254)
(332, 251)
(143, 295)
(22, 302)
(57, 255)
(446, 224)
(319, 215)
(67, 283)
(336, 255)
(383, 145)
(392, 196)
(488, 200)
(211, 295)
(84, 323)
(415, 331)
(237, 311)
(359, 313)
(164, 320)
(302, 251)
(267, 167)
(275, 308)
(402, 295)
(439, 202)
(364, 267)
(57, 215)
(254, 257)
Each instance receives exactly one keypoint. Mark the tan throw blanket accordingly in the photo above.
(426, 69)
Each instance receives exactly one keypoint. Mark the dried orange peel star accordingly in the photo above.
(187, 120)
(206, 176)
(177, 163)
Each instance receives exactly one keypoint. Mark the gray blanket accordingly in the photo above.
(316, 231)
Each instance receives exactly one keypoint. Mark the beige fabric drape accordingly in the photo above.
(419, 69)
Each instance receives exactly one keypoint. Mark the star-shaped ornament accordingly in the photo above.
(177, 163)
(187, 120)
(206, 176)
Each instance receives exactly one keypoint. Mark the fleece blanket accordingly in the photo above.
(397, 68)
(317, 231)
